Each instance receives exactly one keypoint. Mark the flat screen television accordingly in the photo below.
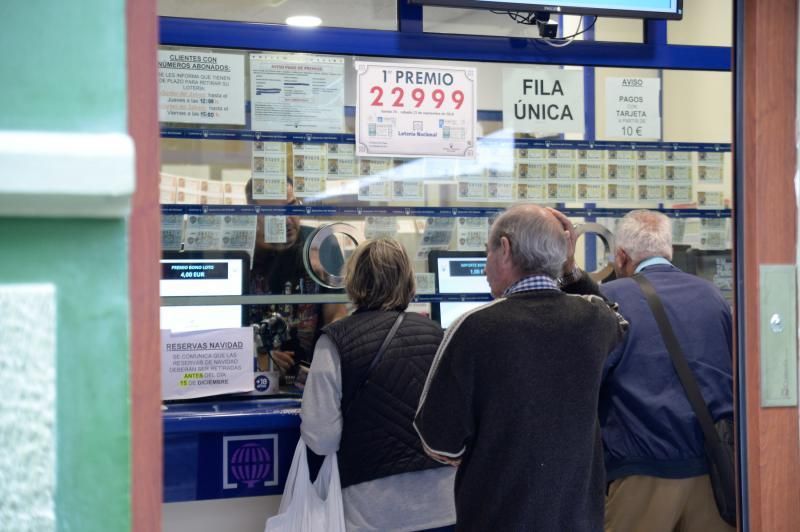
(458, 273)
(664, 9)
(203, 273)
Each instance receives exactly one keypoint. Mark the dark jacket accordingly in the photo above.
(513, 394)
(378, 439)
(649, 427)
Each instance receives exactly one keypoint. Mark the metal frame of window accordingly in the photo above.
(739, 265)
(412, 43)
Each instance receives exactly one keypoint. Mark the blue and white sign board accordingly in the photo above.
(200, 87)
(543, 101)
(415, 111)
(633, 108)
(205, 363)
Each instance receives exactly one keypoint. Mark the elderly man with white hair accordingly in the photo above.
(653, 444)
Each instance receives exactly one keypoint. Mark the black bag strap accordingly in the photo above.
(682, 369)
(377, 358)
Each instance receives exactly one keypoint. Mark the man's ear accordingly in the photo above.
(505, 246)
(620, 258)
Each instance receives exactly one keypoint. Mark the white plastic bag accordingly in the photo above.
(307, 507)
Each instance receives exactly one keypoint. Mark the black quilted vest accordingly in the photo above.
(378, 439)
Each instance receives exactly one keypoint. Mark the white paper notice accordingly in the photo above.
(213, 362)
(543, 101)
(408, 190)
(238, 232)
(425, 283)
(500, 191)
(200, 87)
(632, 108)
(275, 229)
(297, 92)
(269, 188)
(414, 110)
(216, 231)
(472, 234)
(438, 232)
(203, 232)
(531, 191)
(171, 231)
(380, 227)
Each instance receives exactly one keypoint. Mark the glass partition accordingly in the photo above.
(681, 165)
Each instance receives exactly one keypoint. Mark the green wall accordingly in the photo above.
(86, 260)
(63, 65)
(63, 68)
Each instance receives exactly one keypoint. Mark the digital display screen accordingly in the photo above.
(194, 270)
(672, 9)
(468, 268)
(202, 277)
(458, 273)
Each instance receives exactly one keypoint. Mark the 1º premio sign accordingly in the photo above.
(415, 110)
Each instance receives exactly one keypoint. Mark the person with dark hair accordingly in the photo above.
(277, 269)
(512, 394)
(364, 412)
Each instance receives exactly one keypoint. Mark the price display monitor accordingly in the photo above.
(203, 273)
(458, 273)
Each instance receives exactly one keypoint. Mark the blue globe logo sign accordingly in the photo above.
(262, 383)
(251, 464)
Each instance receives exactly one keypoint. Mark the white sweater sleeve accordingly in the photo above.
(321, 414)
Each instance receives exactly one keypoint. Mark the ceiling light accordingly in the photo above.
(304, 21)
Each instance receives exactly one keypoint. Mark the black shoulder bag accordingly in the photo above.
(376, 360)
(719, 436)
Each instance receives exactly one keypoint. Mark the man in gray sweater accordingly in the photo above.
(511, 397)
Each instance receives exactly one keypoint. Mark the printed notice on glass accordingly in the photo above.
(297, 92)
(380, 227)
(425, 283)
(200, 87)
(415, 111)
(632, 108)
(203, 363)
(274, 229)
(472, 234)
(543, 101)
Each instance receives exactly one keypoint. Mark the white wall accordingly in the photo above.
(243, 514)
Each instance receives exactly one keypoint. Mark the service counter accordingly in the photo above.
(226, 461)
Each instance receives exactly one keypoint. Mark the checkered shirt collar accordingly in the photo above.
(532, 282)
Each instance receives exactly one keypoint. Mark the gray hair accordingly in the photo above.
(643, 234)
(538, 242)
(379, 276)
